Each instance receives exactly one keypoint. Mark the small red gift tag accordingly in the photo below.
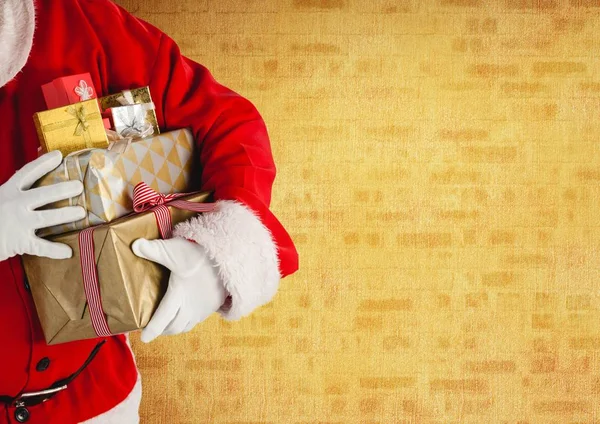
(69, 90)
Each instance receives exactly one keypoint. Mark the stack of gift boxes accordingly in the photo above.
(112, 145)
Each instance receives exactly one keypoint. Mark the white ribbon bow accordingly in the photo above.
(130, 121)
(84, 91)
(130, 126)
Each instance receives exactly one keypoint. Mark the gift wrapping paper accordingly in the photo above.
(71, 128)
(140, 96)
(130, 118)
(164, 162)
(68, 90)
(439, 171)
(130, 287)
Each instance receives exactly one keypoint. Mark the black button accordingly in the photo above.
(22, 415)
(43, 364)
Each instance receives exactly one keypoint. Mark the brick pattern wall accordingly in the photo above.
(439, 170)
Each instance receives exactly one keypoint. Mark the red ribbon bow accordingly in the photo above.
(144, 199)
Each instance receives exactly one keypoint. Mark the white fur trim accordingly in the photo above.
(244, 251)
(17, 22)
(127, 412)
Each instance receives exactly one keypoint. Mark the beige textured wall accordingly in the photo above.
(439, 165)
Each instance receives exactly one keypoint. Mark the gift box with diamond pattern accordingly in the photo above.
(164, 162)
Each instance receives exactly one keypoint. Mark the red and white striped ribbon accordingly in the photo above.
(144, 199)
(90, 282)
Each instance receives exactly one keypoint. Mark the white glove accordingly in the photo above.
(195, 290)
(18, 215)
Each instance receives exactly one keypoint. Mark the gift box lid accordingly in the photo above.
(68, 90)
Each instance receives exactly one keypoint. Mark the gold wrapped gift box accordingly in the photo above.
(130, 287)
(164, 162)
(139, 96)
(71, 128)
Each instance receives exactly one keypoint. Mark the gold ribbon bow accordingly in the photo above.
(83, 124)
(77, 126)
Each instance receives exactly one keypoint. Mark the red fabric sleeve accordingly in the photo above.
(233, 144)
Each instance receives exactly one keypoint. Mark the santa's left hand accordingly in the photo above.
(195, 290)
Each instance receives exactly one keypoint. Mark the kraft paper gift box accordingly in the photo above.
(130, 288)
(71, 128)
(164, 162)
(136, 96)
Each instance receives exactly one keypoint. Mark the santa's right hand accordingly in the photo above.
(19, 218)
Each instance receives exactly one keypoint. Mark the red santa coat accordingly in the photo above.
(123, 52)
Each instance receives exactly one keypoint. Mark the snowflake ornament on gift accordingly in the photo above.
(84, 91)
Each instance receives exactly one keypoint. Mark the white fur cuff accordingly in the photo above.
(244, 251)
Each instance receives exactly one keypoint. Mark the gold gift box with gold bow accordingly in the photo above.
(71, 128)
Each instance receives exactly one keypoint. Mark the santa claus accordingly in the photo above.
(228, 261)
